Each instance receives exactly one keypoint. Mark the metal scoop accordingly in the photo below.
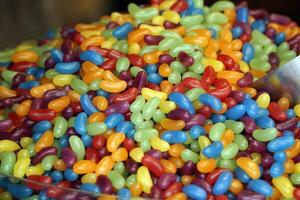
(282, 82)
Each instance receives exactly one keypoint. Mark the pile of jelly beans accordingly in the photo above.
(154, 103)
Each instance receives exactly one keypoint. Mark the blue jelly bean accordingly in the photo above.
(290, 113)
(182, 102)
(90, 187)
(19, 191)
(259, 25)
(67, 67)
(70, 175)
(151, 69)
(63, 141)
(37, 135)
(131, 133)
(213, 150)
(281, 143)
(236, 32)
(57, 176)
(215, 118)
(124, 194)
(242, 14)
(213, 32)
(86, 140)
(121, 31)
(28, 85)
(87, 104)
(260, 187)
(279, 38)
(4, 182)
(194, 192)
(155, 78)
(41, 126)
(124, 127)
(211, 101)
(280, 156)
(265, 122)
(196, 131)
(92, 56)
(242, 175)
(174, 137)
(288, 133)
(277, 169)
(57, 55)
(236, 112)
(230, 196)
(190, 3)
(113, 120)
(43, 196)
(81, 123)
(39, 74)
(248, 52)
(31, 70)
(51, 34)
(185, 13)
(223, 183)
(102, 93)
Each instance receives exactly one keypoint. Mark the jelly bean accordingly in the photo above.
(182, 102)
(114, 140)
(284, 185)
(281, 143)
(223, 183)
(67, 68)
(19, 191)
(148, 94)
(276, 170)
(8, 160)
(206, 166)
(77, 146)
(174, 137)
(248, 52)
(213, 150)
(87, 105)
(159, 144)
(265, 135)
(45, 141)
(112, 120)
(236, 112)
(216, 131)
(92, 57)
(211, 101)
(249, 166)
(194, 191)
(122, 31)
(149, 107)
(143, 178)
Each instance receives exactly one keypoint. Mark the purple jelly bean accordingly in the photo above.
(203, 184)
(267, 160)
(156, 193)
(166, 58)
(67, 112)
(257, 147)
(197, 119)
(294, 40)
(180, 114)
(131, 166)
(19, 132)
(280, 19)
(5, 125)
(68, 195)
(185, 59)
(49, 63)
(111, 25)
(42, 154)
(53, 94)
(71, 131)
(273, 59)
(120, 107)
(28, 123)
(153, 39)
(238, 96)
(287, 125)
(37, 104)
(104, 183)
(66, 46)
(249, 123)
(125, 75)
(68, 156)
(170, 25)
(270, 32)
(249, 195)
(154, 153)
(246, 80)
(140, 80)
(188, 168)
(103, 152)
(266, 175)
(297, 159)
(165, 180)
(8, 102)
(259, 13)
(18, 79)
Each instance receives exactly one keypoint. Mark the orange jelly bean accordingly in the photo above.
(136, 189)
(120, 154)
(166, 86)
(176, 150)
(187, 179)
(23, 108)
(293, 151)
(46, 140)
(94, 40)
(114, 140)
(284, 103)
(88, 67)
(100, 102)
(178, 196)
(104, 166)
(207, 165)
(164, 70)
(96, 117)
(137, 35)
(59, 104)
(177, 161)
(168, 166)
(231, 76)
(228, 137)
(170, 124)
(84, 167)
(113, 86)
(25, 56)
(236, 186)
(249, 166)
(39, 91)
(59, 165)
(6, 92)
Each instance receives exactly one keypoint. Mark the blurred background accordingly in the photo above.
(27, 19)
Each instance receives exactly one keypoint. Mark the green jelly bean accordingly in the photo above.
(123, 63)
(194, 146)
(260, 66)
(138, 104)
(172, 34)
(190, 21)
(287, 55)
(121, 45)
(96, 128)
(148, 49)
(145, 125)
(146, 13)
(168, 43)
(216, 131)
(191, 74)
(145, 145)
(265, 135)
(48, 161)
(6, 196)
(198, 3)
(107, 33)
(51, 73)
(8, 160)
(236, 127)
(197, 67)
(71, 122)
(116, 179)
(227, 164)
(177, 66)
(136, 118)
(150, 107)
(94, 85)
(8, 75)
(120, 167)
(34, 197)
(145, 134)
(79, 86)
(194, 93)
(131, 180)
(222, 5)
(260, 38)
(283, 47)
(270, 49)
(187, 155)
(241, 141)
(295, 178)
(189, 140)
(135, 70)
(60, 127)
(31, 150)
(230, 151)
(216, 18)
(158, 116)
(187, 48)
(174, 77)
(77, 147)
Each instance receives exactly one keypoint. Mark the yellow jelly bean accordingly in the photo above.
(207, 165)
(35, 170)
(167, 106)
(136, 154)
(178, 196)
(63, 79)
(144, 178)
(236, 186)
(203, 141)
(289, 166)
(137, 35)
(170, 124)
(90, 33)
(297, 168)
(134, 48)
(244, 67)
(293, 151)
(25, 142)
(114, 140)
(231, 76)
(46, 140)
(113, 86)
(158, 20)
(94, 40)
(165, 5)
(249, 166)
(159, 144)
(216, 64)
(8, 145)
(109, 43)
(104, 166)
(59, 104)
(25, 56)
(21, 167)
(89, 178)
(74, 96)
(171, 16)
(6, 92)
(284, 186)
(176, 150)
(84, 167)
(39, 91)
(23, 153)
(155, 30)
(120, 154)
(149, 93)
(196, 40)
(263, 100)
(297, 110)
(109, 76)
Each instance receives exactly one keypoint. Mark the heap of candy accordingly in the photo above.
(154, 103)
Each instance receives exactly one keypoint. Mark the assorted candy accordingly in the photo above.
(154, 103)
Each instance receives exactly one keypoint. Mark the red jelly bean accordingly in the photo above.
(180, 6)
(129, 96)
(128, 144)
(153, 165)
(179, 88)
(230, 102)
(246, 80)
(212, 177)
(153, 86)
(296, 193)
(98, 141)
(41, 114)
(136, 60)
(222, 90)
(276, 113)
(109, 64)
(112, 53)
(21, 66)
(102, 51)
(92, 154)
(191, 82)
(205, 111)
(153, 39)
(209, 76)
(56, 191)
(172, 189)
(39, 179)
(228, 62)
